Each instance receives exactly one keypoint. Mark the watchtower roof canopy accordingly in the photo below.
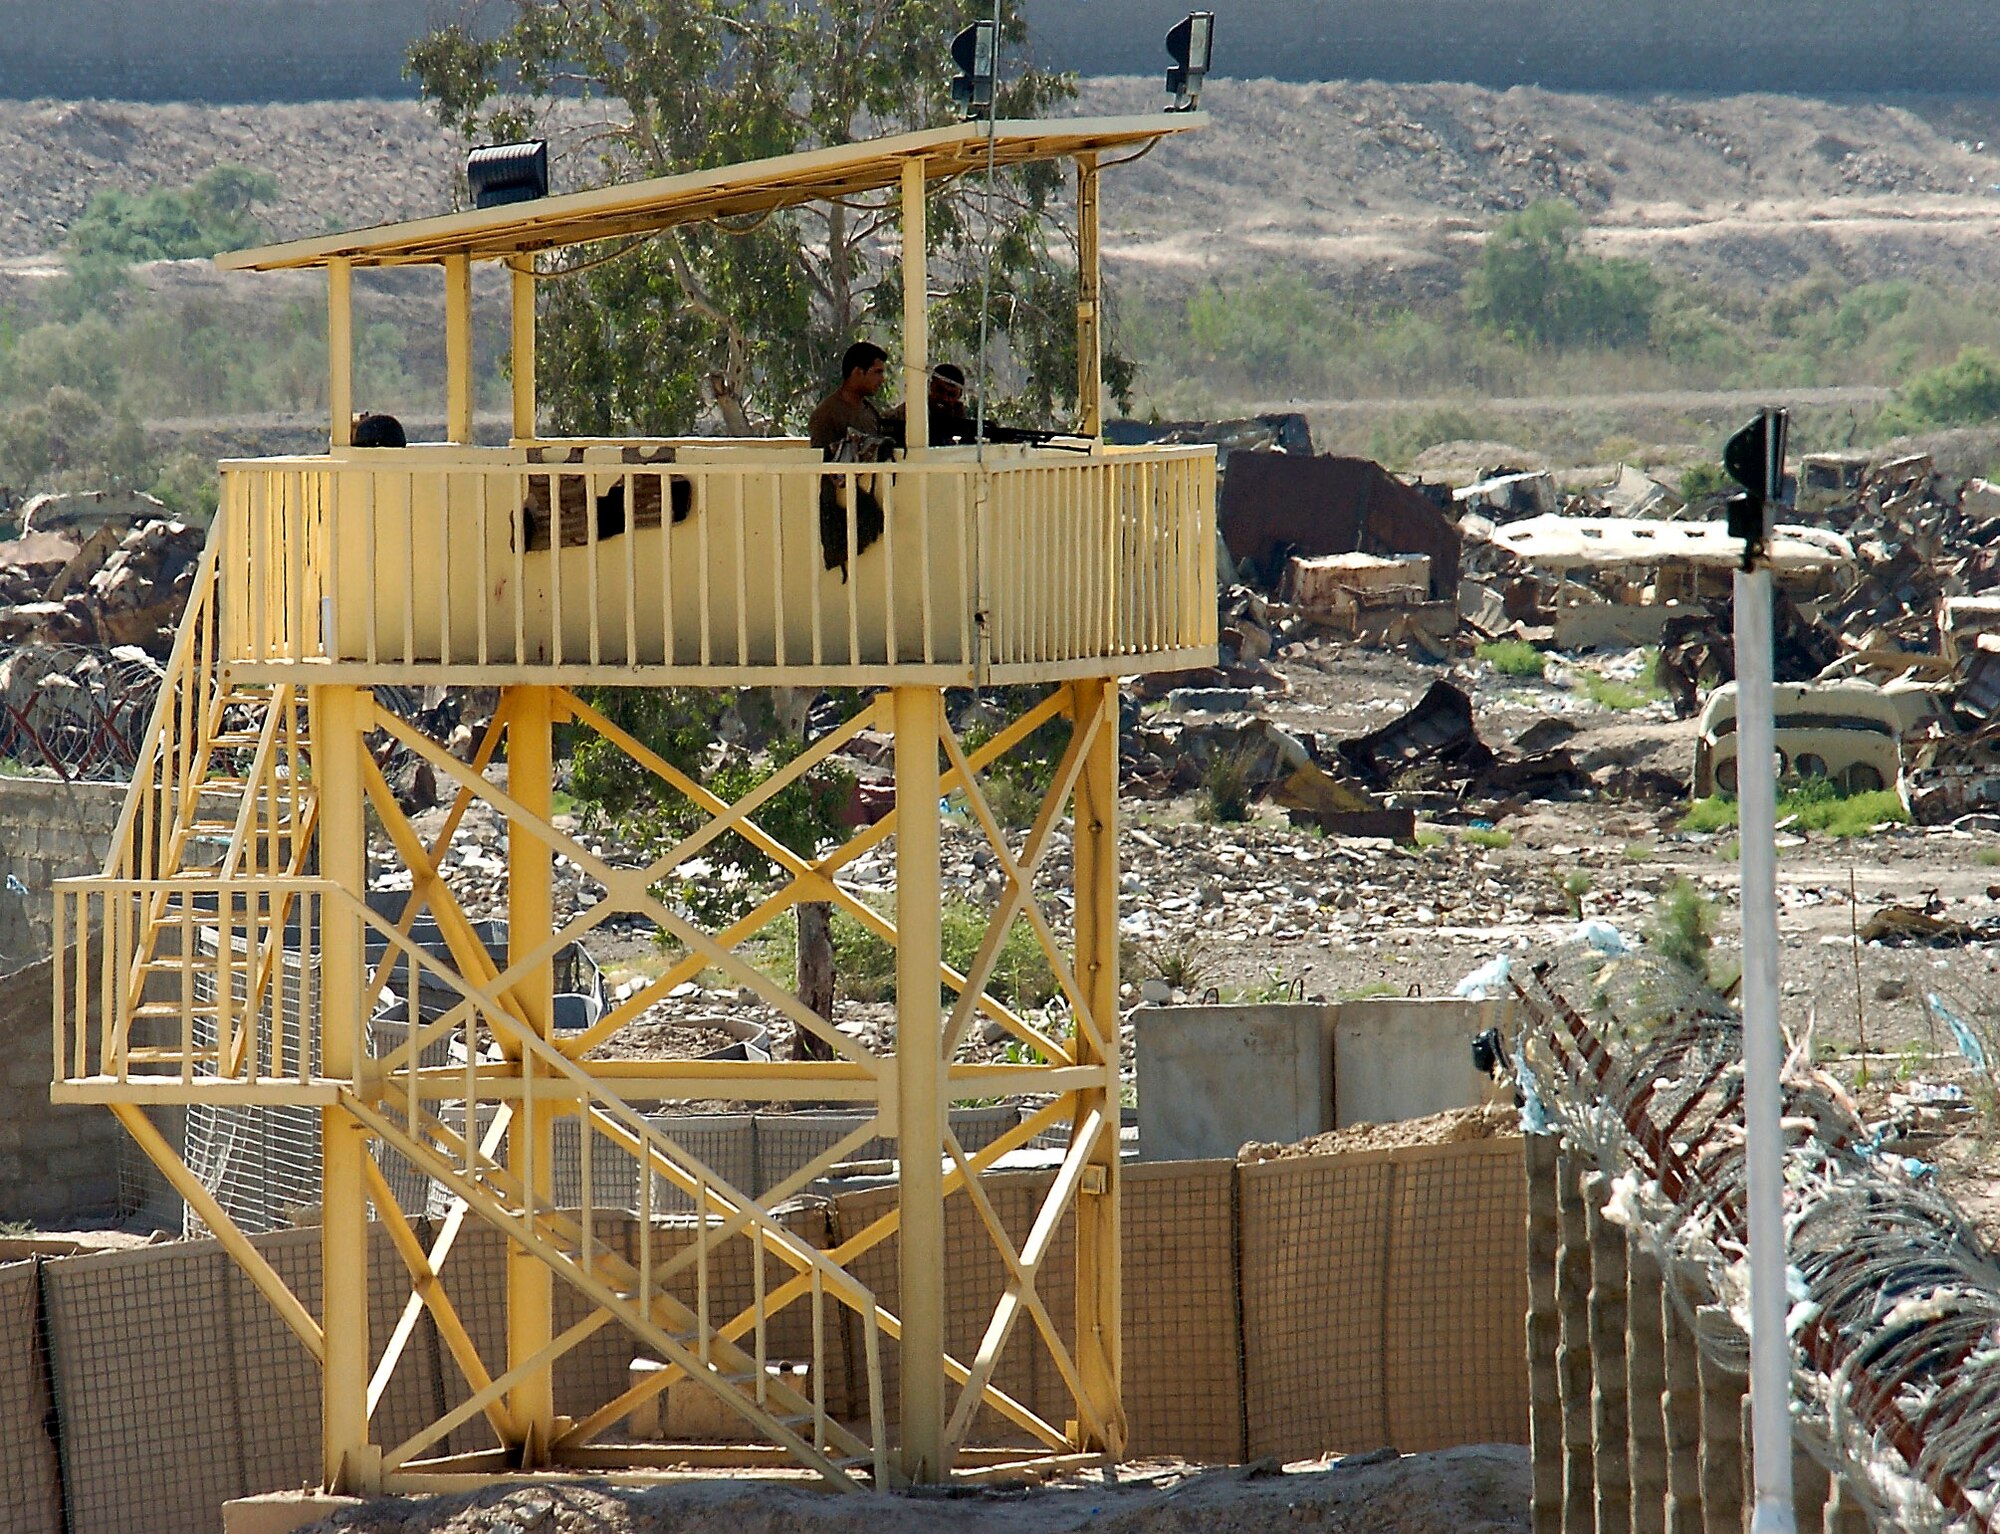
(729, 191)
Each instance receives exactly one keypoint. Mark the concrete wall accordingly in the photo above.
(1214, 1078)
(293, 50)
(1813, 47)
(211, 50)
(54, 1161)
(49, 830)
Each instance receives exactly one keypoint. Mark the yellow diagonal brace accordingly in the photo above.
(234, 1242)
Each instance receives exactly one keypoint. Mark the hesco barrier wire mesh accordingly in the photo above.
(30, 1474)
(1289, 1307)
(1900, 1309)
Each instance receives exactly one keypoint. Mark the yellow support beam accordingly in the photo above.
(351, 1463)
(340, 352)
(458, 383)
(1089, 301)
(530, 1149)
(522, 357)
(920, 1086)
(1098, 1312)
(916, 310)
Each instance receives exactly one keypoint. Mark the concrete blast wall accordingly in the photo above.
(298, 50)
(1813, 47)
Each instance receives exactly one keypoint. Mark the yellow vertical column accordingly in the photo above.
(1098, 1289)
(530, 864)
(920, 1081)
(458, 348)
(340, 351)
(522, 356)
(916, 310)
(339, 721)
(1089, 294)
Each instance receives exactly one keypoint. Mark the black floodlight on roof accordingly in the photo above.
(502, 173)
(975, 51)
(1189, 44)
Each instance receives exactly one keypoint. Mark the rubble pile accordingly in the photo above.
(116, 586)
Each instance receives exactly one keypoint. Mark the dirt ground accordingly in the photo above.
(1477, 1490)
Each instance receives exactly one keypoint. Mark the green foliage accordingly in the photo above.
(1638, 852)
(1819, 804)
(1514, 657)
(1225, 786)
(1492, 838)
(1016, 784)
(68, 440)
(190, 486)
(1575, 885)
(1398, 440)
(1703, 480)
(214, 214)
(684, 726)
(1186, 963)
(866, 964)
(1683, 926)
(1370, 991)
(1964, 391)
(1267, 333)
(754, 318)
(1609, 692)
(1534, 283)
(1715, 813)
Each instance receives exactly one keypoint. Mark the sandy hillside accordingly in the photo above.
(1390, 185)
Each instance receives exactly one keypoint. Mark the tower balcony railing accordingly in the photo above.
(716, 563)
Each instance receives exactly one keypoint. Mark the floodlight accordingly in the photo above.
(502, 173)
(1755, 459)
(1189, 44)
(974, 51)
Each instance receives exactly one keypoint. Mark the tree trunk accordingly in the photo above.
(815, 921)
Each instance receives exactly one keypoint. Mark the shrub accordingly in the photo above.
(1184, 964)
(1964, 391)
(1683, 926)
(1533, 283)
(865, 965)
(1490, 837)
(1225, 785)
(1702, 480)
(1514, 657)
(1400, 437)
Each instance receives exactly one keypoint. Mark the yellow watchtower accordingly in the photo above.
(229, 955)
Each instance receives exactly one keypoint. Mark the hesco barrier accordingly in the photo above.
(1328, 1303)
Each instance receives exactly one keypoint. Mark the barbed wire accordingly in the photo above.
(1896, 1300)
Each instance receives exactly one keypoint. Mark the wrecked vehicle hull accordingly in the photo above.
(1849, 733)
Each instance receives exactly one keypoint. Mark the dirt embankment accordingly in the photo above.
(1391, 184)
(1478, 1490)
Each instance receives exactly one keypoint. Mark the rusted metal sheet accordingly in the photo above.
(1275, 505)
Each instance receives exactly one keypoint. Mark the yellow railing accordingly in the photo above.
(198, 984)
(731, 565)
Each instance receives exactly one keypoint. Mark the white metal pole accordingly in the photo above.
(1757, 789)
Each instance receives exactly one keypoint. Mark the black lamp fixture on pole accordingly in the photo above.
(975, 52)
(1190, 43)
